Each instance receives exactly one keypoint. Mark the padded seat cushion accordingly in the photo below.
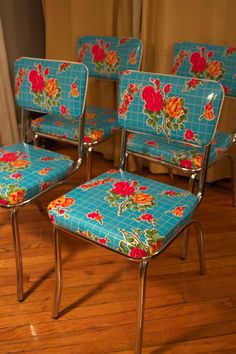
(177, 153)
(26, 170)
(132, 215)
(100, 123)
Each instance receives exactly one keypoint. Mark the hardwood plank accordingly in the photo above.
(184, 312)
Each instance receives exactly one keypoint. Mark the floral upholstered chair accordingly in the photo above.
(26, 171)
(106, 58)
(134, 216)
(197, 61)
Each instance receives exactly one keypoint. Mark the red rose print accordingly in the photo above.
(198, 62)
(36, 80)
(95, 215)
(63, 109)
(167, 88)
(123, 188)
(146, 217)
(16, 175)
(9, 157)
(170, 193)
(98, 53)
(186, 163)
(143, 188)
(103, 241)
(137, 253)
(151, 142)
(3, 201)
(153, 99)
(87, 139)
(189, 134)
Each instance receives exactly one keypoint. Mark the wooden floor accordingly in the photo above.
(185, 312)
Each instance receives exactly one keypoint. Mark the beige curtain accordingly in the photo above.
(8, 124)
(162, 23)
(208, 21)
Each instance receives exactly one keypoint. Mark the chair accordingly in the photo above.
(106, 58)
(131, 215)
(200, 61)
(26, 171)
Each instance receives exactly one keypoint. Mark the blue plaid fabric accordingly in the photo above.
(207, 61)
(100, 123)
(48, 86)
(132, 215)
(26, 170)
(107, 57)
(176, 153)
(168, 106)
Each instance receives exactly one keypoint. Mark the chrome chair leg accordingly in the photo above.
(89, 162)
(171, 175)
(18, 257)
(36, 140)
(141, 305)
(59, 278)
(192, 179)
(201, 247)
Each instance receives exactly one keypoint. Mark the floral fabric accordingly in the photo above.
(206, 61)
(132, 215)
(166, 105)
(185, 156)
(107, 57)
(51, 86)
(100, 123)
(26, 170)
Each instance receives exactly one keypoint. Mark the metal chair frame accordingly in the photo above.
(144, 261)
(14, 209)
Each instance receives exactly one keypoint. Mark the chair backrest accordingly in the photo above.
(206, 61)
(167, 105)
(51, 86)
(107, 57)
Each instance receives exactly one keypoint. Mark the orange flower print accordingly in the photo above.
(96, 135)
(90, 115)
(208, 113)
(155, 247)
(178, 211)
(95, 215)
(44, 171)
(59, 124)
(197, 161)
(62, 201)
(74, 92)
(214, 69)
(174, 107)
(67, 202)
(82, 52)
(112, 58)
(19, 80)
(51, 87)
(20, 163)
(17, 197)
(36, 122)
(142, 198)
(132, 58)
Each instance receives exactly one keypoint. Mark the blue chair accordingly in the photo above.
(26, 171)
(105, 57)
(134, 216)
(196, 61)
